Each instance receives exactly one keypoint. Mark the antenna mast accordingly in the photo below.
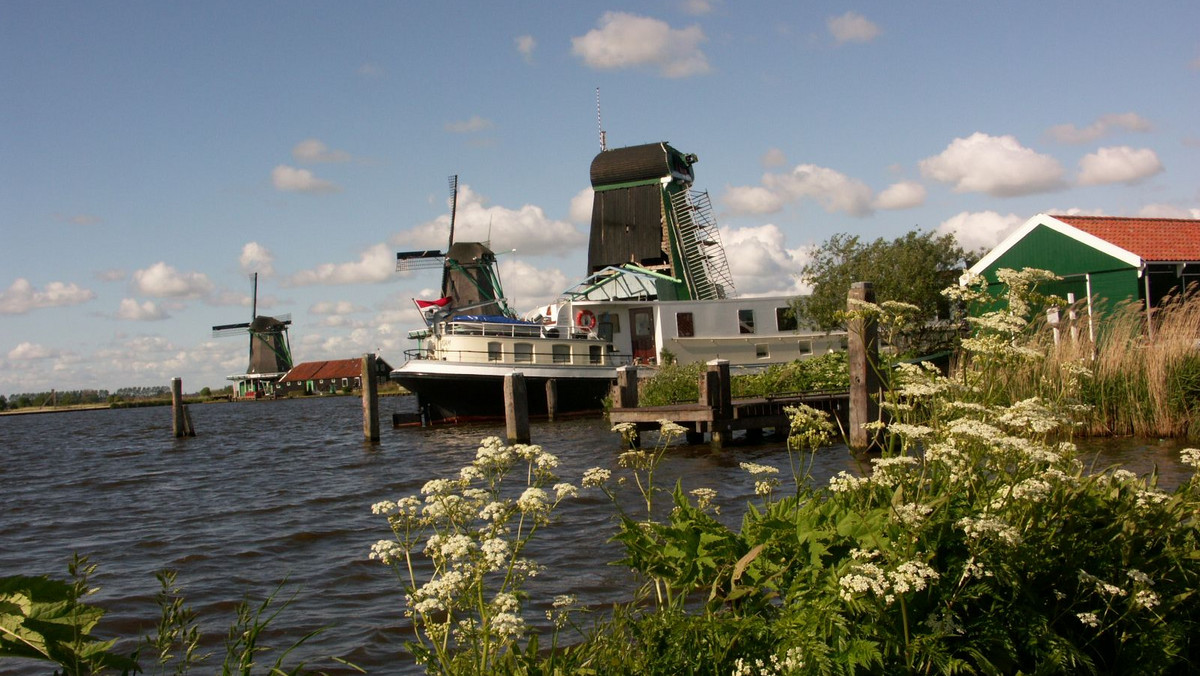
(599, 124)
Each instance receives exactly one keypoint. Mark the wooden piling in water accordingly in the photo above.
(863, 360)
(181, 419)
(516, 408)
(716, 393)
(626, 394)
(370, 398)
(551, 398)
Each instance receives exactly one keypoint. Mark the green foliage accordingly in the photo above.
(45, 619)
(913, 268)
(674, 383)
(977, 542)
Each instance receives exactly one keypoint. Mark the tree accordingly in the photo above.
(913, 268)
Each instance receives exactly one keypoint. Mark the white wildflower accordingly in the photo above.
(533, 500)
(1190, 457)
(845, 482)
(756, 469)
(596, 477)
(1145, 599)
(1088, 619)
(387, 551)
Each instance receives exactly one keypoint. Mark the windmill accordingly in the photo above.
(469, 278)
(270, 351)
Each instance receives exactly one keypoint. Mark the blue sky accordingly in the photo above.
(154, 154)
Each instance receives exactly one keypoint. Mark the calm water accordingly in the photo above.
(275, 490)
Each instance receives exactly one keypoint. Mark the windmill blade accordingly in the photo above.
(419, 260)
(223, 330)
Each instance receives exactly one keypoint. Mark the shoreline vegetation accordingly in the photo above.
(974, 539)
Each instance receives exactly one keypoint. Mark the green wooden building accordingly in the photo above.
(1102, 259)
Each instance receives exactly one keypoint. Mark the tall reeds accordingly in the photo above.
(1135, 381)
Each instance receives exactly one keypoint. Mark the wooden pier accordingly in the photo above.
(717, 414)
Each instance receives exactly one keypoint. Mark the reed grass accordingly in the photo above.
(1136, 382)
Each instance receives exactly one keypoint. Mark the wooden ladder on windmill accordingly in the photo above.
(700, 246)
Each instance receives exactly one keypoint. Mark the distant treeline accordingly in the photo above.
(83, 397)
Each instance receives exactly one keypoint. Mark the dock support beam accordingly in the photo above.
(716, 393)
(863, 358)
(181, 419)
(516, 408)
(626, 395)
(370, 399)
(551, 398)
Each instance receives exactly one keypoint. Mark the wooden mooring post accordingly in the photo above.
(716, 393)
(863, 359)
(181, 419)
(370, 399)
(551, 398)
(626, 394)
(516, 408)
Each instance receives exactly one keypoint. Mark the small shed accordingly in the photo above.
(328, 377)
(1104, 259)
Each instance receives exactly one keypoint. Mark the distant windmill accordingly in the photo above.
(270, 351)
(469, 278)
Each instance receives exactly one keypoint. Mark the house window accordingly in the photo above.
(805, 347)
(494, 351)
(523, 352)
(684, 326)
(345, 382)
(745, 321)
(562, 354)
(594, 354)
(761, 351)
(785, 319)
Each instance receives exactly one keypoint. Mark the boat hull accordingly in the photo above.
(449, 392)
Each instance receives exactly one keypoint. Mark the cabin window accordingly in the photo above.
(785, 319)
(684, 325)
(562, 354)
(494, 351)
(595, 356)
(745, 321)
(761, 351)
(345, 382)
(805, 347)
(523, 352)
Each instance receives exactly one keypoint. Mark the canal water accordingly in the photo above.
(282, 490)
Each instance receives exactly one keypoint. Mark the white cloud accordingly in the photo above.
(581, 206)
(341, 307)
(527, 286)
(761, 263)
(902, 195)
(110, 275)
(697, 7)
(78, 219)
(527, 229)
(291, 179)
(1106, 124)
(831, 189)
(980, 230)
(370, 70)
(752, 200)
(163, 281)
(377, 264)
(525, 46)
(475, 124)
(257, 258)
(22, 297)
(313, 150)
(1120, 164)
(630, 41)
(1168, 211)
(996, 165)
(131, 310)
(26, 351)
(852, 27)
(773, 158)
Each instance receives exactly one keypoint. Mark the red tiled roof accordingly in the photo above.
(324, 370)
(1152, 239)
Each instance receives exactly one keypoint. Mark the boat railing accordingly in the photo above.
(611, 359)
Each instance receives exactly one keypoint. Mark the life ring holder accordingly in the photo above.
(585, 319)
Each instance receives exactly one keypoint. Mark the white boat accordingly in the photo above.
(658, 288)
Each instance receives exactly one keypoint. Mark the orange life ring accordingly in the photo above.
(585, 319)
